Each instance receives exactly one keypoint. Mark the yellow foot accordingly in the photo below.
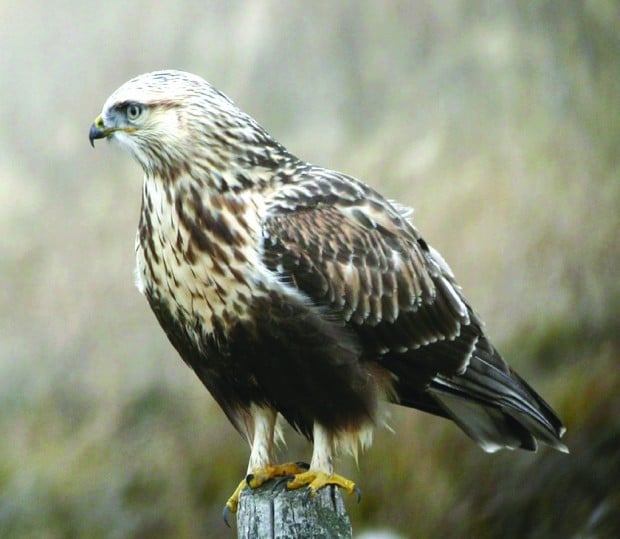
(262, 475)
(258, 478)
(317, 480)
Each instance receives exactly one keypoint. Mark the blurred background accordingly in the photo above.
(497, 120)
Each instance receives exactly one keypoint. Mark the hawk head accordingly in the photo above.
(171, 121)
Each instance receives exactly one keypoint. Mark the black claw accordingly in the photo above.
(283, 479)
(309, 494)
(358, 493)
(249, 478)
(303, 465)
(226, 514)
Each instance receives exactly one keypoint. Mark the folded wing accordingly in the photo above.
(352, 251)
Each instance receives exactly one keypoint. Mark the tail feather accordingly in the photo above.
(496, 407)
(488, 426)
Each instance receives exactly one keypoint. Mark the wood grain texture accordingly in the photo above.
(273, 512)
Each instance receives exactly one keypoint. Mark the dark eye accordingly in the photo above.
(133, 111)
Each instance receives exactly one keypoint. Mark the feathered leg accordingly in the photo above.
(321, 472)
(260, 466)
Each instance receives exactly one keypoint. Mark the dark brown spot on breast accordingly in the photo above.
(240, 277)
(234, 204)
(149, 264)
(146, 236)
(190, 256)
(199, 238)
(238, 255)
(218, 225)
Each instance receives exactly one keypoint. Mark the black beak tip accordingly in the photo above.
(94, 133)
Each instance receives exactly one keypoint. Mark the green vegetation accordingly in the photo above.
(499, 121)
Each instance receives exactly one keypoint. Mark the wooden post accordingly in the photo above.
(271, 511)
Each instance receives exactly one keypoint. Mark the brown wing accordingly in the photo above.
(366, 262)
(349, 249)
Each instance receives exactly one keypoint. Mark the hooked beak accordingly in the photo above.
(98, 130)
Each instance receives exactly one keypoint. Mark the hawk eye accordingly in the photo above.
(133, 111)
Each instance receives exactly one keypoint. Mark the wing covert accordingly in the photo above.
(362, 259)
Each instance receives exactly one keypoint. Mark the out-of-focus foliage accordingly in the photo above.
(499, 121)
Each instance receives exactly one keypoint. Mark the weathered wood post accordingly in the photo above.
(271, 511)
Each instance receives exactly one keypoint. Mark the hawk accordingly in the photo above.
(296, 291)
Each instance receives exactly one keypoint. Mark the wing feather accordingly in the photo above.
(354, 253)
(365, 261)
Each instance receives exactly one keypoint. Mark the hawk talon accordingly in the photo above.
(261, 476)
(280, 472)
(358, 493)
(286, 478)
(226, 514)
(315, 481)
(280, 480)
(233, 502)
